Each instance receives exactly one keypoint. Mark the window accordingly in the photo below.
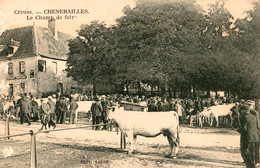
(54, 67)
(10, 68)
(41, 66)
(21, 67)
(10, 50)
(32, 74)
(11, 89)
(22, 87)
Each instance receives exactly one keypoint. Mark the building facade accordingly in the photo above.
(33, 60)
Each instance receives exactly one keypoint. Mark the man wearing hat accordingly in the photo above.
(253, 111)
(25, 110)
(62, 106)
(249, 136)
(96, 110)
(52, 112)
(45, 113)
(73, 107)
(35, 107)
(105, 104)
(2, 106)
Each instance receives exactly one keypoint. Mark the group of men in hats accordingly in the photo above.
(47, 111)
(99, 110)
(250, 132)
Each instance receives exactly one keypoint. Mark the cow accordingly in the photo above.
(84, 107)
(205, 116)
(152, 124)
(8, 107)
(193, 117)
(214, 112)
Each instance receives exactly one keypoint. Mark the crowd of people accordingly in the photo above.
(60, 106)
(56, 108)
(28, 109)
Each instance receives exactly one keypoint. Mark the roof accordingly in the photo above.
(35, 40)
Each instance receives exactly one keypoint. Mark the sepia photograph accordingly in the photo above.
(129, 83)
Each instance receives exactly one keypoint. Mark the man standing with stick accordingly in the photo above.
(52, 112)
(96, 110)
(25, 110)
(73, 107)
(249, 136)
(105, 104)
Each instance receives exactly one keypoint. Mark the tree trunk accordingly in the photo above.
(174, 92)
(127, 89)
(187, 90)
(139, 88)
(208, 93)
(194, 92)
(94, 90)
(170, 93)
(151, 89)
(158, 89)
(162, 90)
(190, 91)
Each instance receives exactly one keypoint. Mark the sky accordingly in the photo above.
(102, 10)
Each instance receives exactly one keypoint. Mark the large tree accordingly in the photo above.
(90, 58)
(171, 44)
(248, 42)
(157, 40)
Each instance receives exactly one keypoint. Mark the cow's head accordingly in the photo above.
(114, 110)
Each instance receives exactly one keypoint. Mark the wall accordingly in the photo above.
(42, 82)
(16, 78)
(3, 83)
(55, 73)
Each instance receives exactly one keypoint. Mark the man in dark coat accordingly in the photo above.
(96, 110)
(256, 114)
(105, 104)
(152, 106)
(25, 108)
(235, 115)
(1, 106)
(63, 109)
(249, 136)
(58, 109)
(160, 105)
(35, 111)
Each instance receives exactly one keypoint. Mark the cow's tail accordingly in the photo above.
(178, 135)
(178, 130)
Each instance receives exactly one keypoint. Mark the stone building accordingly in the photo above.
(33, 59)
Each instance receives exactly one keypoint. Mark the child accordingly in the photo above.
(45, 113)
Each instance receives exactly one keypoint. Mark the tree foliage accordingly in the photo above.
(171, 44)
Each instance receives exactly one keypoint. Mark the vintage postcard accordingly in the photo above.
(176, 68)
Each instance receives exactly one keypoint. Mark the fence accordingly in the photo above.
(33, 163)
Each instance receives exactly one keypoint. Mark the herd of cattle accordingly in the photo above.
(205, 118)
(152, 124)
(214, 113)
(208, 117)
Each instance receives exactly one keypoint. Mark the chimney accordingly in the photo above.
(51, 26)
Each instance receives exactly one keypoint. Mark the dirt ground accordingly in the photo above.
(86, 148)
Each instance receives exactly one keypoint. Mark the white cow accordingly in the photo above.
(204, 116)
(84, 106)
(219, 111)
(8, 105)
(148, 124)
